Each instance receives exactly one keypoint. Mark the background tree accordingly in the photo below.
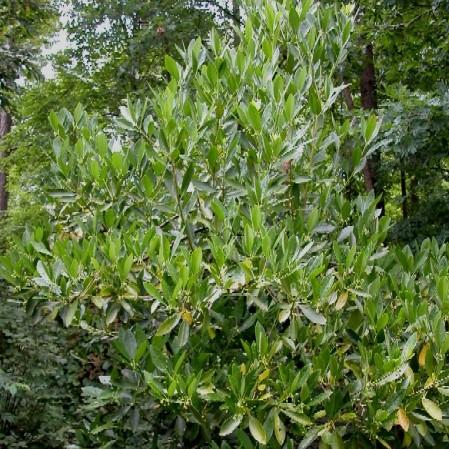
(22, 27)
(399, 49)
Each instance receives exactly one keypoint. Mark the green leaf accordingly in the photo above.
(126, 267)
(68, 313)
(244, 439)
(187, 178)
(293, 18)
(168, 325)
(183, 334)
(126, 114)
(254, 117)
(40, 248)
(432, 409)
(409, 347)
(172, 67)
(112, 312)
(309, 438)
(158, 357)
(43, 272)
(371, 128)
(101, 143)
(393, 375)
(289, 108)
(156, 387)
(195, 261)
(298, 418)
(118, 161)
(126, 343)
(312, 315)
(279, 429)
(315, 102)
(257, 430)
(218, 209)
(333, 439)
(78, 112)
(54, 121)
(230, 425)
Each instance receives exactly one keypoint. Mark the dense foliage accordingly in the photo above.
(39, 390)
(214, 236)
(22, 27)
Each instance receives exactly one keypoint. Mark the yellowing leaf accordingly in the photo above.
(423, 354)
(211, 332)
(432, 409)
(284, 315)
(264, 375)
(430, 382)
(279, 429)
(403, 420)
(257, 430)
(187, 317)
(341, 301)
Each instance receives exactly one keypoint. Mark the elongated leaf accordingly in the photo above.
(432, 409)
(168, 325)
(341, 301)
(195, 261)
(257, 430)
(230, 425)
(279, 429)
(309, 438)
(403, 420)
(172, 67)
(423, 355)
(244, 440)
(409, 347)
(187, 178)
(297, 417)
(393, 375)
(68, 313)
(111, 314)
(40, 248)
(126, 344)
(312, 315)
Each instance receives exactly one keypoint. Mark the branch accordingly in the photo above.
(224, 10)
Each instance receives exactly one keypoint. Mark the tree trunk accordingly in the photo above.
(347, 97)
(236, 10)
(5, 127)
(404, 194)
(414, 199)
(368, 91)
(237, 19)
(368, 87)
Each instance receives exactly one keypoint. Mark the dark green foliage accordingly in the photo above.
(416, 144)
(23, 24)
(39, 382)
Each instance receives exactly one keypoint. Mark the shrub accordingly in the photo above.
(39, 382)
(250, 301)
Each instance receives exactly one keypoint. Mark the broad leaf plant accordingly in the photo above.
(213, 235)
